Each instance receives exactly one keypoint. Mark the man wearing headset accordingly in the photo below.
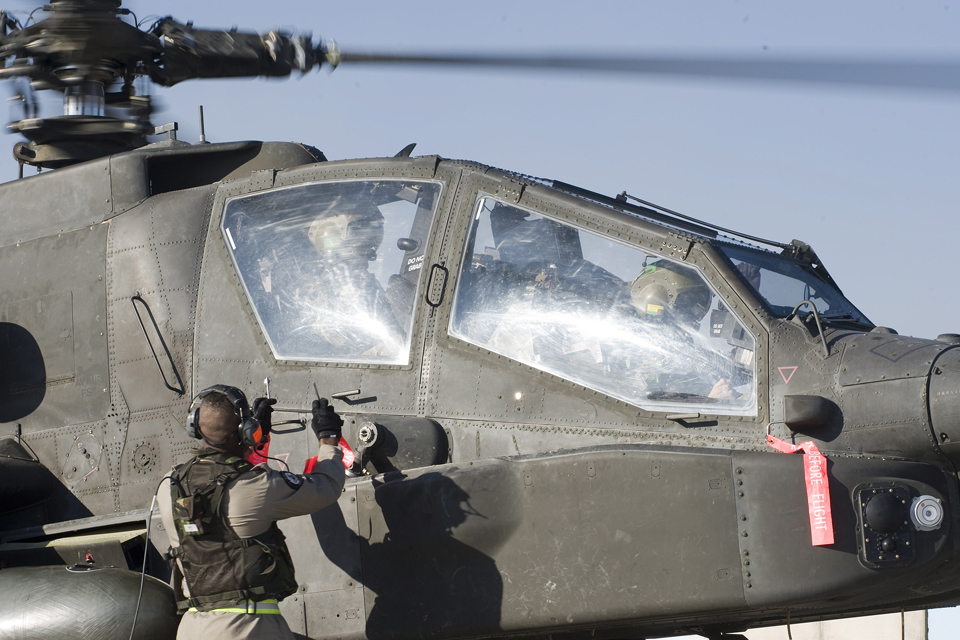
(230, 561)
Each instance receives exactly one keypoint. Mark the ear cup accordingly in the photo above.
(251, 433)
(193, 418)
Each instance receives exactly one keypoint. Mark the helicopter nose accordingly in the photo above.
(944, 401)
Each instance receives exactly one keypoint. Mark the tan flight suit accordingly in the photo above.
(252, 503)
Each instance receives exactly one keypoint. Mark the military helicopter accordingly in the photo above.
(560, 399)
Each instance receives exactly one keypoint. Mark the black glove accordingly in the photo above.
(262, 410)
(326, 423)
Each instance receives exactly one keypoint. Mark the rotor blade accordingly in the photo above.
(930, 74)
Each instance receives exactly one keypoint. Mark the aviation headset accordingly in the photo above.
(250, 430)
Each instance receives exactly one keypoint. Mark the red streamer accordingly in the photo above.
(818, 488)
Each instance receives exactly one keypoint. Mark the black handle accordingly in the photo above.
(163, 344)
(443, 287)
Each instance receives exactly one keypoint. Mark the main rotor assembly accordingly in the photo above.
(87, 51)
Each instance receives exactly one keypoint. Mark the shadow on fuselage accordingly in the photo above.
(427, 583)
(23, 375)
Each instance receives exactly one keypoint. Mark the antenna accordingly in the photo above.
(203, 140)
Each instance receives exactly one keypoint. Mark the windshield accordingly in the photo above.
(332, 268)
(644, 329)
(783, 283)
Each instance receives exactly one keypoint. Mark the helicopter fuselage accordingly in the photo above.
(572, 395)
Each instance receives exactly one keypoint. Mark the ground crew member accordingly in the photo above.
(230, 562)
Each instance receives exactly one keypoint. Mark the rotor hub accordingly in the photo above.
(83, 48)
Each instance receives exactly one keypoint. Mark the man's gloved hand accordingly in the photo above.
(326, 423)
(262, 410)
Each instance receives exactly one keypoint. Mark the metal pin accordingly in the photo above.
(266, 381)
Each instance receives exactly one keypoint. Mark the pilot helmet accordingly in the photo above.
(668, 289)
(348, 235)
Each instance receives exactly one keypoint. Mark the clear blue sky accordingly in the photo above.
(866, 176)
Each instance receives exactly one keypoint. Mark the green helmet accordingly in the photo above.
(666, 288)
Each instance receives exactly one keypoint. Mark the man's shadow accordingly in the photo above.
(428, 584)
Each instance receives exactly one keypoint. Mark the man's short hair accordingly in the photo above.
(218, 419)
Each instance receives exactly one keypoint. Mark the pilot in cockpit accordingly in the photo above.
(348, 307)
(674, 299)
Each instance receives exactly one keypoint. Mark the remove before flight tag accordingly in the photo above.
(818, 488)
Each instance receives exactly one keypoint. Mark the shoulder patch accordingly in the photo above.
(293, 480)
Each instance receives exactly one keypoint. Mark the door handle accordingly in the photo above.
(443, 286)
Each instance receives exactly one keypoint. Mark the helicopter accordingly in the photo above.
(562, 459)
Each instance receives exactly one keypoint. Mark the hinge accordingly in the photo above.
(263, 179)
(674, 246)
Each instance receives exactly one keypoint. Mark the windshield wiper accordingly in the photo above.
(845, 316)
(848, 320)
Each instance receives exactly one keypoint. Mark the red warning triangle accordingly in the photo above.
(787, 373)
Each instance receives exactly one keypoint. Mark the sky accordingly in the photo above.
(865, 175)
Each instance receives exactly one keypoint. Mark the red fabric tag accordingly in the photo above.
(348, 457)
(818, 488)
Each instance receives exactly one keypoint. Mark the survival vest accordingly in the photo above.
(220, 567)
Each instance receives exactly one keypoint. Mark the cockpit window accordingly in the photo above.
(644, 329)
(332, 268)
(783, 283)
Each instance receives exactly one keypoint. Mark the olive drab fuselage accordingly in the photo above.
(552, 450)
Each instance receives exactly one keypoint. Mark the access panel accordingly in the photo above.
(565, 541)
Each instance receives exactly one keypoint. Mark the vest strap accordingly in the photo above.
(243, 543)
